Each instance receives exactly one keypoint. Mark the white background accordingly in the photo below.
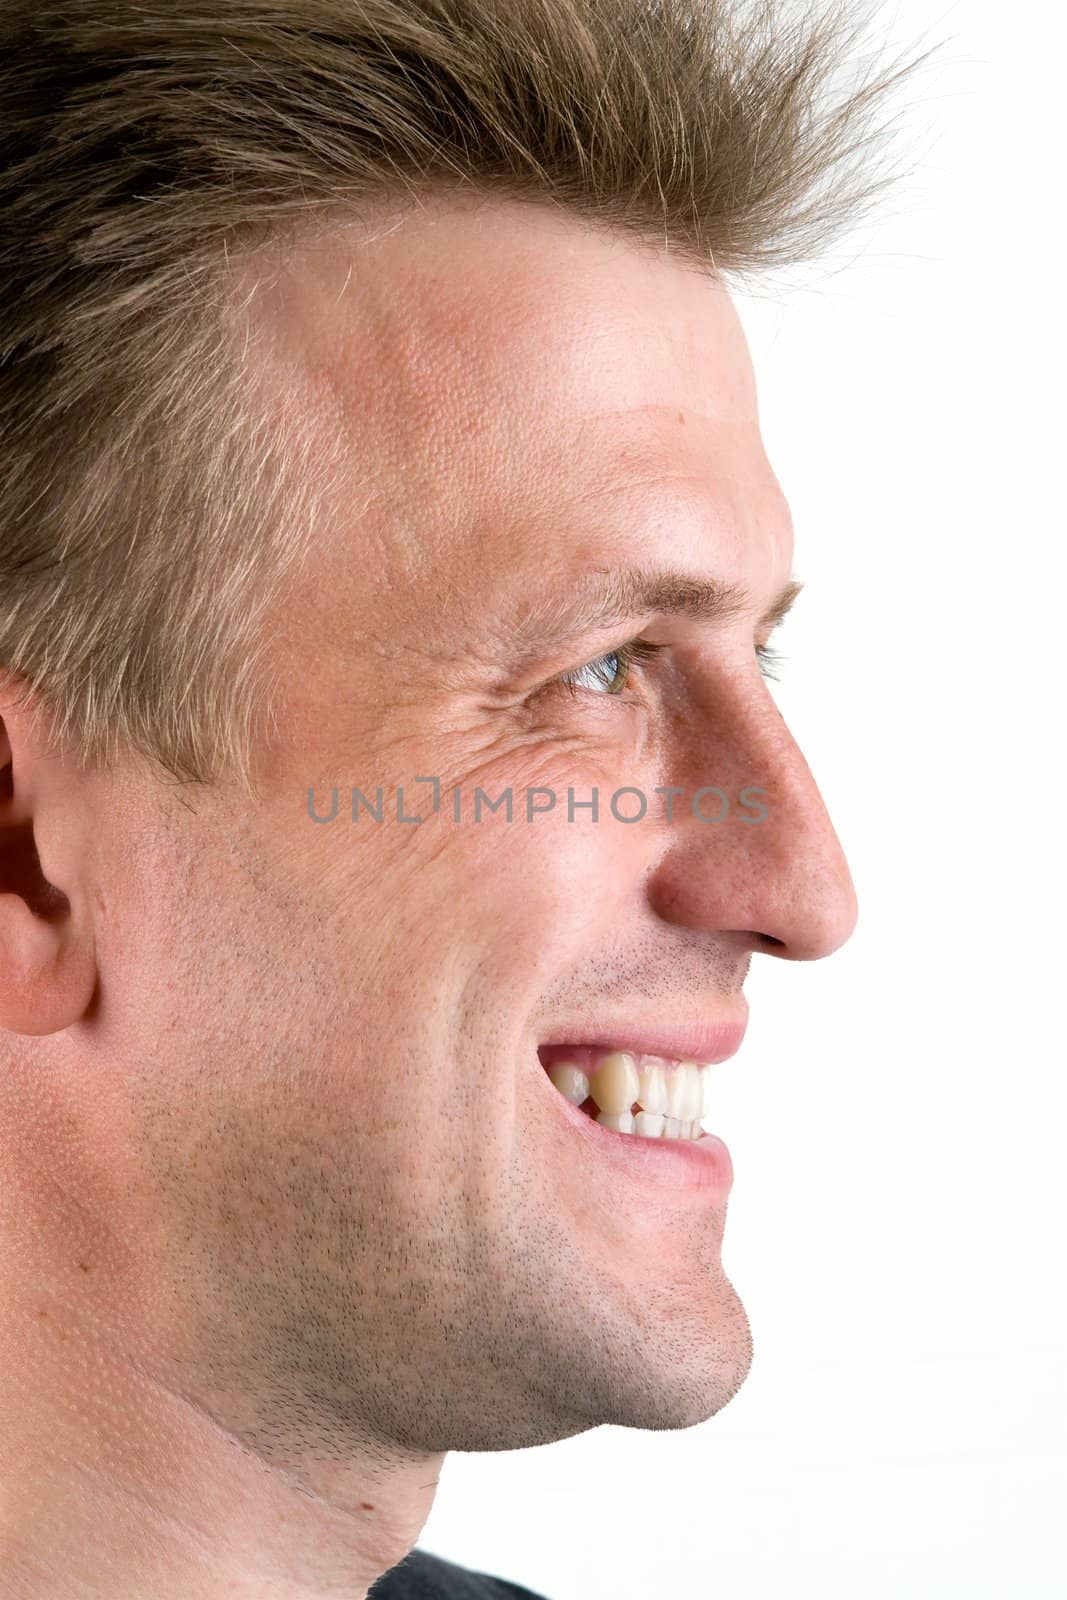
(897, 1116)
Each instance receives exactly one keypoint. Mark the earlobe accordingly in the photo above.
(46, 981)
(47, 962)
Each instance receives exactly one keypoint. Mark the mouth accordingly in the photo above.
(644, 1110)
(645, 1096)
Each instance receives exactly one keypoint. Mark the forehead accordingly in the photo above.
(514, 382)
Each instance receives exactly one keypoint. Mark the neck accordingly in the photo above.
(112, 1482)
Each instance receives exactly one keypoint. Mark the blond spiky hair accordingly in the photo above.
(152, 502)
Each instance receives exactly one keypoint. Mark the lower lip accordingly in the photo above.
(701, 1164)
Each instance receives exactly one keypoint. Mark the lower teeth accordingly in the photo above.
(644, 1125)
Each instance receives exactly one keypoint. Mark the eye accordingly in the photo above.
(608, 674)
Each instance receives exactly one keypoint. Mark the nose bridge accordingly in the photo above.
(764, 861)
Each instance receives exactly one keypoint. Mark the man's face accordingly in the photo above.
(378, 1216)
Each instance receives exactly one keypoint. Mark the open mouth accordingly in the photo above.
(648, 1097)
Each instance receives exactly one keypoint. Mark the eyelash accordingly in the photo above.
(642, 650)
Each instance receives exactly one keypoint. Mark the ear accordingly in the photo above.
(47, 949)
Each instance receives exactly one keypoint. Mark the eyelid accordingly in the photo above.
(637, 649)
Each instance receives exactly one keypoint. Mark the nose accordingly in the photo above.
(756, 854)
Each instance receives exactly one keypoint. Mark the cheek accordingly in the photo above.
(504, 886)
(541, 892)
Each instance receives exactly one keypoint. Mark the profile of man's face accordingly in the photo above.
(365, 1211)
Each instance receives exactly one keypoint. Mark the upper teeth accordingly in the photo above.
(680, 1093)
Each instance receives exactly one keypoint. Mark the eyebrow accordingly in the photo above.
(605, 599)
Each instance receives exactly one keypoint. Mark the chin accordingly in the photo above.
(684, 1376)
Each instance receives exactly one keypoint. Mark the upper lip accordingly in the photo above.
(700, 1039)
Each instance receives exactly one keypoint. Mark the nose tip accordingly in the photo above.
(809, 907)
